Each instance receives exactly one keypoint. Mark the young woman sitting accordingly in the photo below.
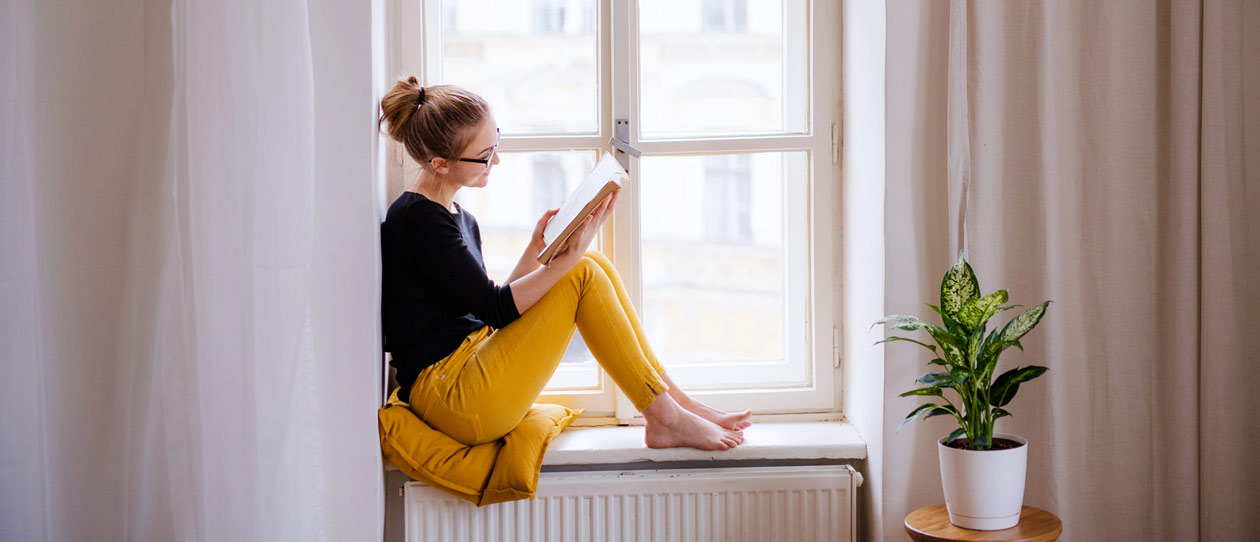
(471, 355)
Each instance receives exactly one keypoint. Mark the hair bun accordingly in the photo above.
(412, 79)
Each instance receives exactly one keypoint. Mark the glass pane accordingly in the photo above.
(714, 256)
(521, 188)
(723, 67)
(535, 61)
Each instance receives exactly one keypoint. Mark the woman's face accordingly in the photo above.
(484, 146)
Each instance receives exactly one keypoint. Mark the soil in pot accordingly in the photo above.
(998, 444)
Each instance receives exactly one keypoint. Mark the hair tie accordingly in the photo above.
(420, 98)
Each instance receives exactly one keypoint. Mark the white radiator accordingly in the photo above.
(755, 504)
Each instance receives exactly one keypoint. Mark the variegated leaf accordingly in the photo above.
(958, 286)
(895, 338)
(957, 434)
(922, 391)
(977, 311)
(936, 379)
(1022, 324)
(903, 322)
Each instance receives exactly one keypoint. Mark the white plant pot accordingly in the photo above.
(984, 489)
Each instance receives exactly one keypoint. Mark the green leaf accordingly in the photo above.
(944, 337)
(974, 346)
(1022, 324)
(943, 380)
(976, 312)
(937, 361)
(954, 356)
(960, 375)
(958, 286)
(941, 411)
(1007, 384)
(958, 433)
(923, 391)
(1000, 413)
(896, 338)
(916, 412)
(903, 322)
(950, 324)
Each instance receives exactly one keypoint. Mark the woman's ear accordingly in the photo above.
(439, 165)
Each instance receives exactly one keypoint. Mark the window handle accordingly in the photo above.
(621, 141)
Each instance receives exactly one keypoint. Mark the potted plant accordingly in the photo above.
(982, 474)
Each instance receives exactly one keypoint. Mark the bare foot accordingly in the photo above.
(689, 430)
(734, 421)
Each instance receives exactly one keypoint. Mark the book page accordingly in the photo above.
(581, 203)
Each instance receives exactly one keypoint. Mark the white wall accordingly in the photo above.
(862, 250)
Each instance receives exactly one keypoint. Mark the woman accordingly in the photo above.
(472, 356)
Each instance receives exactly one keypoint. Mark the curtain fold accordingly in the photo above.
(189, 340)
(1096, 158)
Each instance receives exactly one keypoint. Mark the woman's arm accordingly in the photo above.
(529, 260)
(528, 289)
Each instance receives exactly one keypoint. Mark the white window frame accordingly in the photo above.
(413, 50)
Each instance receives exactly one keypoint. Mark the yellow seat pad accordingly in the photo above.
(504, 470)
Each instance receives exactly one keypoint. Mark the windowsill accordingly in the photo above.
(592, 447)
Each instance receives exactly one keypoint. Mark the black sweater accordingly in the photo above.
(434, 285)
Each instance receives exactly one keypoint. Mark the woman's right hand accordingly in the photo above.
(581, 238)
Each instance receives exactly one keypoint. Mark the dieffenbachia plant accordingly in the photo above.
(965, 357)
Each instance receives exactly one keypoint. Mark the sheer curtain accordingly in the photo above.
(187, 288)
(1103, 155)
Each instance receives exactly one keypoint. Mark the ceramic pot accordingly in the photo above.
(984, 489)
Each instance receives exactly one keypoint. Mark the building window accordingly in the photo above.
(727, 200)
(725, 16)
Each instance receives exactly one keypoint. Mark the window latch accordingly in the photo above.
(621, 141)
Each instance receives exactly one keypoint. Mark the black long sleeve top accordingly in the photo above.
(434, 285)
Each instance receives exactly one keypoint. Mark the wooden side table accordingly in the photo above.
(931, 524)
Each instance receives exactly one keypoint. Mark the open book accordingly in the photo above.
(601, 181)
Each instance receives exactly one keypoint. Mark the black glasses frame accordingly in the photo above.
(493, 150)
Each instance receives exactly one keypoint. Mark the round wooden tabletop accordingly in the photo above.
(931, 524)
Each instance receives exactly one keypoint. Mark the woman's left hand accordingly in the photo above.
(536, 242)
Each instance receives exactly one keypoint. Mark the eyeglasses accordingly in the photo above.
(490, 157)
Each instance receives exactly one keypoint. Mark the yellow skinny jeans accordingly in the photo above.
(482, 390)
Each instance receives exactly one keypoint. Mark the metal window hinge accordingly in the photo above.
(835, 143)
(621, 141)
(835, 347)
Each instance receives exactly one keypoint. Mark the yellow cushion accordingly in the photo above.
(504, 470)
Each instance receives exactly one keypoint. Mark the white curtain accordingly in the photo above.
(1102, 155)
(188, 290)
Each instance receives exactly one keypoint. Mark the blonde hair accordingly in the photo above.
(432, 122)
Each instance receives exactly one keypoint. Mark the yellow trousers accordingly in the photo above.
(482, 390)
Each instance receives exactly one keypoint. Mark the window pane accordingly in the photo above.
(535, 61)
(723, 67)
(718, 264)
(521, 187)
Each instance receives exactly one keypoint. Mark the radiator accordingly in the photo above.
(755, 504)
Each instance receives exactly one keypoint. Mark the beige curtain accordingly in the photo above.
(1105, 155)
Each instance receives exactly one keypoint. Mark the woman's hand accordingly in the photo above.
(581, 238)
(536, 242)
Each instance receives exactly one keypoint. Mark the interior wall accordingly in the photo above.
(862, 250)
